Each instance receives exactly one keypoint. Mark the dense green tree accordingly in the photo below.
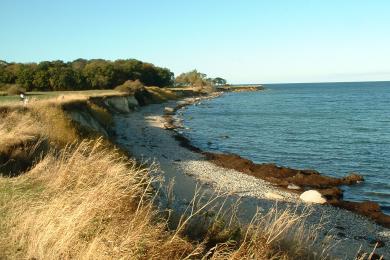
(219, 81)
(25, 76)
(83, 74)
(195, 78)
(62, 77)
(78, 64)
(192, 78)
(99, 74)
(7, 75)
(164, 77)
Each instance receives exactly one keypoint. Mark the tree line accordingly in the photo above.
(195, 78)
(82, 74)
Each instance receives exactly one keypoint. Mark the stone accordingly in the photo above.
(312, 196)
(274, 196)
(292, 186)
(353, 178)
(169, 110)
(182, 103)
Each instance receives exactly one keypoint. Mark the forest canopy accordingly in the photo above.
(82, 74)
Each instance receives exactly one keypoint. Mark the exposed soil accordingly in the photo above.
(19, 156)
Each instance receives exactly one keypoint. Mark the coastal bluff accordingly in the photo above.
(137, 124)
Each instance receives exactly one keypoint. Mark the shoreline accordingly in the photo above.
(284, 177)
(144, 135)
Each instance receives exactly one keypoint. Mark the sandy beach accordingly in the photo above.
(143, 133)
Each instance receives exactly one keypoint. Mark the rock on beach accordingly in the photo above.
(312, 196)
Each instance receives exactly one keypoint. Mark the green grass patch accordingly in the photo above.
(40, 95)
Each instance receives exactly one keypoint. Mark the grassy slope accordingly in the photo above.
(87, 200)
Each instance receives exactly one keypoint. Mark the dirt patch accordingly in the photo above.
(18, 157)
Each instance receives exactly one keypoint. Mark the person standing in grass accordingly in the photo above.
(23, 98)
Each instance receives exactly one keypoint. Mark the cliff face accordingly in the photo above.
(86, 120)
(28, 132)
(123, 104)
(95, 114)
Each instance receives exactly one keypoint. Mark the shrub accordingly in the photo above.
(130, 86)
(15, 90)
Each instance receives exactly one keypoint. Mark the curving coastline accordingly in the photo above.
(139, 125)
(144, 134)
(280, 176)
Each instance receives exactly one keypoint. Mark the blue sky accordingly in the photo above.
(249, 41)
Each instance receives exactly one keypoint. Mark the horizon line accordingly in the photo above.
(314, 82)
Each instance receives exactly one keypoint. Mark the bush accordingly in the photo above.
(15, 90)
(130, 86)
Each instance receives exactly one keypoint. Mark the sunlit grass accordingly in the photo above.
(83, 199)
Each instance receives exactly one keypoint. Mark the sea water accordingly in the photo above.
(335, 128)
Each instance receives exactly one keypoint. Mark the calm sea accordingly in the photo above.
(335, 128)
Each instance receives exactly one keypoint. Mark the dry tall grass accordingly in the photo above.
(162, 94)
(16, 127)
(38, 120)
(88, 201)
(95, 204)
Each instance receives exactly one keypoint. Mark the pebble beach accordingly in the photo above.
(144, 135)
